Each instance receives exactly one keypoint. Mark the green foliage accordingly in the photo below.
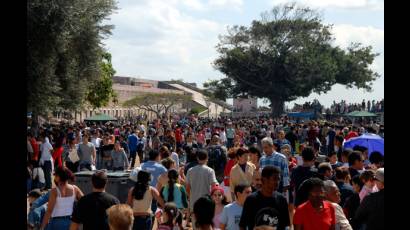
(289, 54)
(64, 51)
(158, 103)
(219, 89)
(197, 110)
(101, 91)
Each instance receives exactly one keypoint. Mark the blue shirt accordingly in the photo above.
(132, 142)
(155, 169)
(278, 160)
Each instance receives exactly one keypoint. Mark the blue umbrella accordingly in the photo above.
(371, 141)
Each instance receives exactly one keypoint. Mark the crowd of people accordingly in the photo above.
(253, 173)
(343, 107)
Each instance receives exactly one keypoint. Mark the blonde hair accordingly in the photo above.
(120, 217)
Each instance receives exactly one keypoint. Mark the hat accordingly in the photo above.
(379, 175)
(217, 188)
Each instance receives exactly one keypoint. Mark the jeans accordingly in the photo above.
(133, 154)
(59, 223)
(142, 223)
(85, 166)
(29, 184)
(106, 164)
(47, 173)
(72, 166)
(118, 169)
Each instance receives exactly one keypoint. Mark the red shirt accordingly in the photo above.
(57, 156)
(35, 147)
(351, 134)
(227, 171)
(178, 135)
(308, 217)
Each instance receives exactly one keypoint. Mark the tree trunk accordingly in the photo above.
(277, 106)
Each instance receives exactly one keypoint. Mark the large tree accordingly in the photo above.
(65, 52)
(158, 103)
(218, 89)
(290, 53)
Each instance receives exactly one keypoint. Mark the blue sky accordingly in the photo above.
(164, 39)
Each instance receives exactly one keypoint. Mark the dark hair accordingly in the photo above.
(171, 210)
(256, 151)
(35, 193)
(347, 152)
(240, 187)
(323, 167)
(341, 173)
(354, 156)
(316, 145)
(202, 212)
(172, 179)
(367, 175)
(308, 154)
(313, 183)
(168, 145)
(142, 184)
(269, 171)
(359, 148)
(202, 155)
(153, 154)
(302, 193)
(241, 151)
(339, 138)
(99, 179)
(356, 179)
(330, 154)
(376, 157)
(64, 174)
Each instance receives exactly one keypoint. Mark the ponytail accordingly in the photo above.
(172, 179)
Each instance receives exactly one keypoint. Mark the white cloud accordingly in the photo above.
(344, 4)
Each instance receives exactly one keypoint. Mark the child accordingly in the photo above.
(36, 214)
(170, 218)
(369, 185)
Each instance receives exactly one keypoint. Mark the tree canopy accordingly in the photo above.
(158, 103)
(219, 89)
(65, 52)
(290, 53)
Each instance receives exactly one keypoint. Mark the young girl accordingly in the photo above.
(369, 185)
(174, 192)
(218, 196)
(170, 218)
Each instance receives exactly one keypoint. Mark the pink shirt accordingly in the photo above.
(366, 191)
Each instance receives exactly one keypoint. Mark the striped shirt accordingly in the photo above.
(278, 160)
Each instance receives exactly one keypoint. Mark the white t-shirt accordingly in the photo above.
(96, 141)
(231, 215)
(39, 172)
(45, 149)
(175, 157)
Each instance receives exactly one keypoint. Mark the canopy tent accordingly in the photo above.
(361, 114)
(100, 117)
(371, 141)
(301, 115)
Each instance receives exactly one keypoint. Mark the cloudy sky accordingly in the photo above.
(164, 39)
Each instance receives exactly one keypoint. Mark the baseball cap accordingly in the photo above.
(379, 175)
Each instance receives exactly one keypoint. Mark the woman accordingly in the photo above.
(61, 201)
(218, 196)
(140, 199)
(58, 152)
(243, 171)
(227, 172)
(119, 158)
(72, 160)
(174, 192)
(169, 164)
(316, 213)
(255, 155)
(170, 218)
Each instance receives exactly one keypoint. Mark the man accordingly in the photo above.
(292, 137)
(86, 153)
(315, 213)
(230, 135)
(303, 172)
(91, 208)
(338, 145)
(371, 210)
(217, 158)
(189, 142)
(142, 143)
(243, 171)
(355, 163)
(273, 158)
(330, 139)
(325, 171)
(353, 133)
(376, 160)
(343, 183)
(231, 214)
(46, 160)
(154, 167)
(266, 204)
(333, 160)
(36, 214)
(132, 144)
(281, 139)
(333, 195)
(199, 179)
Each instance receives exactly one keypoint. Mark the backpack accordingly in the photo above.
(216, 158)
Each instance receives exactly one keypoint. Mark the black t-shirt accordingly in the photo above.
(91, 210)
(292, 138)
(259, 209)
